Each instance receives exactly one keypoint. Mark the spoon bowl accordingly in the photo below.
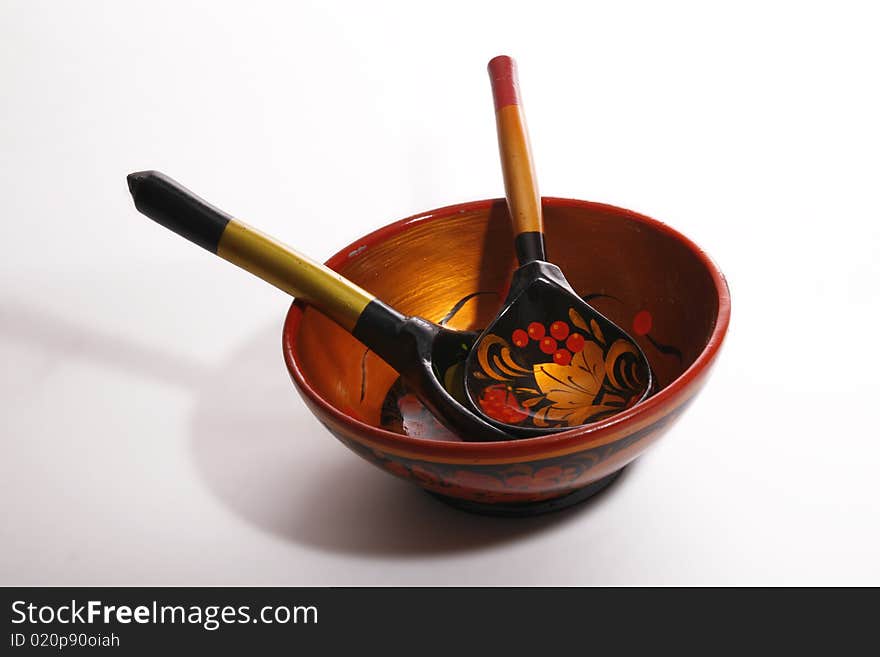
(550, 361)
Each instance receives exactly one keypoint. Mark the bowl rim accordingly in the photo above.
(570, 440)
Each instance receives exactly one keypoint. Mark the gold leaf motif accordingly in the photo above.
(572, 388)
(500, 366)
(576, 319)
(500, 370)
(539, 419)
(507, 357)
(618, 350)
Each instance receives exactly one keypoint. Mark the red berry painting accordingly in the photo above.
(536, 330)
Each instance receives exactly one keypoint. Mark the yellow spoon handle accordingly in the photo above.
(168, 203)
(296, 274)
(520, 184)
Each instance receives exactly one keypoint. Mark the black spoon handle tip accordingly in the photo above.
(172, 205)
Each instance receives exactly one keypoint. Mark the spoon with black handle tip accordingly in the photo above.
(549, 361)
(423, 353)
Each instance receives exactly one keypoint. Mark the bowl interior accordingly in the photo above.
(455, 264)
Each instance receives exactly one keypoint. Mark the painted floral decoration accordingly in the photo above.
(581, 378)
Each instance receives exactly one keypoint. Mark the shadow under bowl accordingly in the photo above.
(454, 265)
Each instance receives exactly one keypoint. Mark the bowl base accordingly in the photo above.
(525, 509)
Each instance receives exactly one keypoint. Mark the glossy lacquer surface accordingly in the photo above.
(453, 265)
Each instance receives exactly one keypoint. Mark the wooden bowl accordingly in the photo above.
(455, 263)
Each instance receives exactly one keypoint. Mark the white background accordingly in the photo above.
(150, 434)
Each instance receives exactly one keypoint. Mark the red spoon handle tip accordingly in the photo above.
(505, 86)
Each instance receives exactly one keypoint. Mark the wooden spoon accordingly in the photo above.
(549, 361)
(425, 354)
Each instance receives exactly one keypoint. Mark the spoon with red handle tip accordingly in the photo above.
(426, 355)
(549, 361)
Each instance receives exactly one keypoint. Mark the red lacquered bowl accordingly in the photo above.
(454, 264)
